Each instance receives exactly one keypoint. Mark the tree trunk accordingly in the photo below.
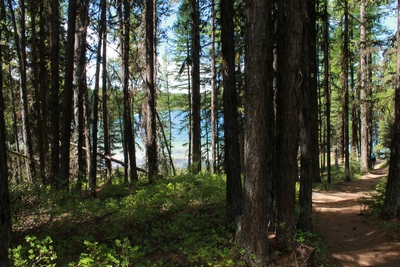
(20, 41)
(252, 232)
(309, 149)
(55, 85)
(107, 149)
(15, 132)
(63, 182)
(327, 90)
(195, 110)
(44, 84)
(231, 125)
(390, 207)
(93, 164)
(214, 95)
(364, 89)
(5, 213)
(129, 139)
(37, 100)
(289, 81)
(151, 118)
(345, 85)
(80, 81)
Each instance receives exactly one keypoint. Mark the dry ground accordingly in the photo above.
(354, 240)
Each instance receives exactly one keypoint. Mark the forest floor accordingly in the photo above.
(354, 238)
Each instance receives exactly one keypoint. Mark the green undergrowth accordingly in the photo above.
(372, 206)
(338, 174)
(177, 221)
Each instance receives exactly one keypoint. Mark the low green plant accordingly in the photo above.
(373, 205)
(393, 230)
(121, 255)
(179, 220)
(35, 253)
(324, 186)
(116, 191)
(318, 242)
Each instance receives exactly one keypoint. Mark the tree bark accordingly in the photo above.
(231, 125)
(327, 90)
(345, 85)
(15, 131)
(107, 143)
(129, 139)
(35, 84)
(20, 41)
(391, 204)
(309, 148)
(93, 155)
(364, 90)
(44, 86)
(195, 75)
(5, 212)
(151, 117)
(252, 232)
(214, 96)
(290, 78)
(81, 88)
(63, 181)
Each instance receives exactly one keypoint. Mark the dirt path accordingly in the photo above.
(353, 239)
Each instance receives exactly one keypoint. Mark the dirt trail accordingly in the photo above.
(353, 239)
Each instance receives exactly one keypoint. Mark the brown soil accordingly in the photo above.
(353, 238)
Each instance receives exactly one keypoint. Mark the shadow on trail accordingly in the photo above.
(353, 238)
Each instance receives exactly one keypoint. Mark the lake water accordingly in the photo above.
(180, 139)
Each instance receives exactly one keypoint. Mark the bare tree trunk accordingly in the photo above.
(345, 85)
(44, 85)
(5, 213)
(79, 92)
(259, 136)
(107, 149)
(309, 148)
(15, 132)
(289, 81)
(67, 98)
(55, 86)
(80, 81)
(196, 98)
(37, 100)
(93, 165)
(129, 139)
(214, 95)
(231, 124)
(327, 90)
(151, 117)
(364, 89)
(20, 41)
(190, 145)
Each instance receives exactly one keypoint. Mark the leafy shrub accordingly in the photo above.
(373, 205)
(318, 242)
(123, 254)
(36, 253)
(178, 221)
(113, 191)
